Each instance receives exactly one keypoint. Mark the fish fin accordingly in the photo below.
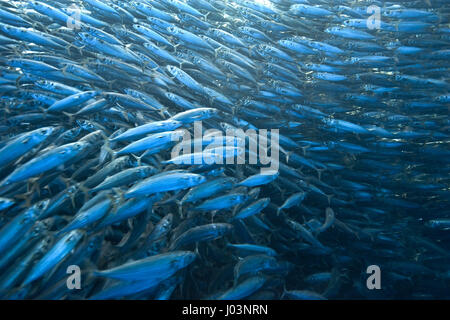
(138, 159)
(278, 211)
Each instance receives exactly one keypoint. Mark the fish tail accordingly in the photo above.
(319, 173)
(110, 83)
(139, 159)
(329, 196)
(45, 111)
(216, 51)
(284, 291)
(97, 273)
(18, 81)
(70, 116)
(110, 151)
(287, 154)
(180, 207)
(163, 112)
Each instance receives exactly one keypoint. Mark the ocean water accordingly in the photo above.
(206, 149)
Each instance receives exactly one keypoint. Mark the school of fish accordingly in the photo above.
(96, 94)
